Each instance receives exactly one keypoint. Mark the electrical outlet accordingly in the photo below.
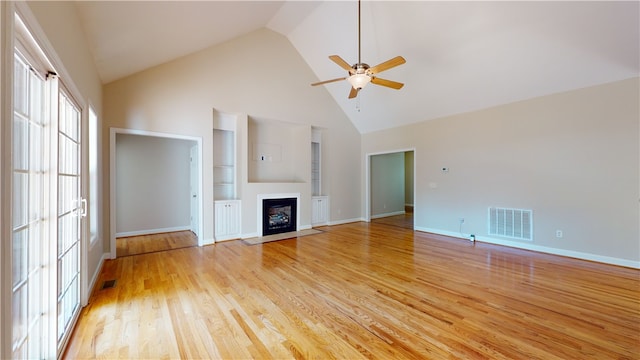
(559, 234)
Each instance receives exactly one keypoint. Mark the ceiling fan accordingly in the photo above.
(360, 74)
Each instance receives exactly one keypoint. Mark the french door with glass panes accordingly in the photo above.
(47, 211)
(71, 209)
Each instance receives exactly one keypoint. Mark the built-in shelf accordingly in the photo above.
(224, 156)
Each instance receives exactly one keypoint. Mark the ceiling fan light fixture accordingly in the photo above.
(360, 74)
(358, 81)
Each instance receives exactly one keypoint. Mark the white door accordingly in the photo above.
(71, 210)
(194, 176)
(47, 214)
(31, 242)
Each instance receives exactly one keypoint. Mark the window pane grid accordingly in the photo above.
(28, 212)
(68, 284)
(67, 272)
(21, 87)
(67, 194)
(68, 155)
(68, 233)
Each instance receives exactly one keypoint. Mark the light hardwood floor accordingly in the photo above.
(142, 244)
(403, 221)
(360, 291)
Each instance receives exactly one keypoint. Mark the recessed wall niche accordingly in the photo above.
(278, 152)
(224, 156)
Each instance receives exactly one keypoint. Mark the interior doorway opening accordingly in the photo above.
(155, 196)
(391, 187)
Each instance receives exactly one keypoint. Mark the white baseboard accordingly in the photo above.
(96, 274)
(205, 242)
(538, 248)
(152, 231)
(388, 214)
(227, 237)
(346, 221)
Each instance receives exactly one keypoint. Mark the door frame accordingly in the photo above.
(113, 132)
(194, 190)
(367, 164)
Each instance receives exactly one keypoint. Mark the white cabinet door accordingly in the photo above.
(227, 219)
(319, 210)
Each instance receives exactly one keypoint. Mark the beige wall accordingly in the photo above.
(153, 182)
(259, 75)
(573, 158)
(387, 184)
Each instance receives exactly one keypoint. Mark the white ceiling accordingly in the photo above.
(461, 56)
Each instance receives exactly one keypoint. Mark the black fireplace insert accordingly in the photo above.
(279, 215)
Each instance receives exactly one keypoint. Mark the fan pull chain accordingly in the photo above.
(358, 102)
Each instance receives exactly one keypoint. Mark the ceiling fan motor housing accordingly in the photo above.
(360, 68)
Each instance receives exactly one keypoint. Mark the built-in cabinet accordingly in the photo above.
(256, 156)
(319, 203)
(227, 214)
(227, 219)
(319, 210)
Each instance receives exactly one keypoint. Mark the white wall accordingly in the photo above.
(249, 75)
(573, 158)
(153, 184)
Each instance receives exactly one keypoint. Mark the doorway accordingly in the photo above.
(390, 188)
(155, 197)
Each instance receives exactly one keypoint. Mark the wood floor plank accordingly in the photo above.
(361, 290)
(143, 244)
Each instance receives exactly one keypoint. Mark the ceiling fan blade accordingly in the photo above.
(388, 83)
(398, 60)
(353, 93)
(328, 81)
(343, 64)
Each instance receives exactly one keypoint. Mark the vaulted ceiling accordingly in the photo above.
(461, 56)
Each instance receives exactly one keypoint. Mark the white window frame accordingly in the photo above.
(93, 140)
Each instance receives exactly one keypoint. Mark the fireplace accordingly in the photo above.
(279, 215)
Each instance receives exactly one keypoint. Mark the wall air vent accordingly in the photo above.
(511, 223)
